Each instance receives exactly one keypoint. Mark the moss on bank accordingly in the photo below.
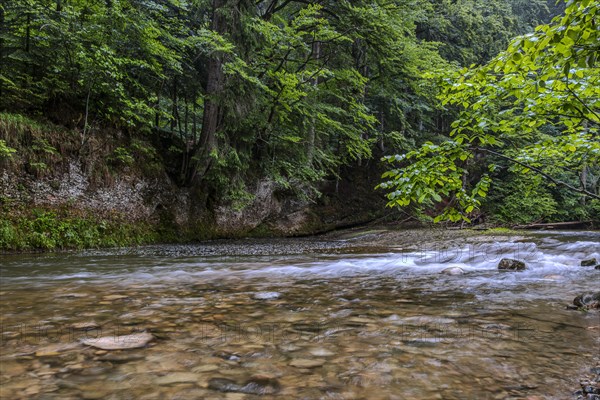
(48, 229)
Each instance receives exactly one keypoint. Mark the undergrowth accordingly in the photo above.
(48, 229)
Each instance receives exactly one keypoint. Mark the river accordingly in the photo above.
(364, 316)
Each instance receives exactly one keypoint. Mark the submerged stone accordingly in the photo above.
(125, 342)
(509, 264)
(588, 301)
(178, 377)
(120, 357)
(223, 385)
(113, 297)
(257, 385)
(305, 363)
(85, 326)
(54, 349)
(266, 295)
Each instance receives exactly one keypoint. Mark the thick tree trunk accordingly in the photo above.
(207, 143)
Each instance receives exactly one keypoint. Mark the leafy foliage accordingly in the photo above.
(533, 109)
(294, 91)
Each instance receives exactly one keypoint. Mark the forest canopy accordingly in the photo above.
(297, 91)
(532, 113)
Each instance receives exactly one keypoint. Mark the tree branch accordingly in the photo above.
(540, 172)
(583, 104)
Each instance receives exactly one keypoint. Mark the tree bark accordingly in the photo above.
(207, 143)
(310, 152)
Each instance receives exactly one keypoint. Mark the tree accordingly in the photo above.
(535, 108)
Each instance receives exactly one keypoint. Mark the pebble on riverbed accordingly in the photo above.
(509, 264)
(266, 295)
(589, 262)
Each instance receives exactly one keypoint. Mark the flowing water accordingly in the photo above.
(310, 319)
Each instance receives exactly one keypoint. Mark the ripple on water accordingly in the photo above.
(295, 325)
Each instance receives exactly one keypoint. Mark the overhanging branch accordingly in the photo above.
(540, 172)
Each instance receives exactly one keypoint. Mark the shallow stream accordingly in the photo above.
(302, 318)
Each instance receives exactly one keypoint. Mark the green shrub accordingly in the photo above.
(522, 199)
(57, 229)
(5, 151)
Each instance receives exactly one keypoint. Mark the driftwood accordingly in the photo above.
(556, 225)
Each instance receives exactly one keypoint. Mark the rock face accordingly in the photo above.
(588, 301)
(266, 207)
(135, 197)
(509, 264)
(589, 262)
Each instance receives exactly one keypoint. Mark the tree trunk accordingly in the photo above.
(583, 177)
(1, 47)
(310, 151)
(207, 143)
(28, 33)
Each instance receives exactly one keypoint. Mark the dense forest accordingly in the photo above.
(481, 114)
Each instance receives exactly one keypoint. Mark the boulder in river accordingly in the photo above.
(124, 342)
(453, 271)
(509, 264)
(590, 262)
(597, 267)
(588, 301)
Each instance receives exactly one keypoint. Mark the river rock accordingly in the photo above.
(261, 385)
(597, 267)
(124, 342)
(305, 363)
(223, 385)
(113, 297)
(121, 357)
(85, 326)
(321, 352)
(266, 295)
(54, 349)
(178, 377)
(206, 368)
(509, 264)
(257, 385)
(453, 271)
(588, 301)
(589, 262)
(72, 295)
